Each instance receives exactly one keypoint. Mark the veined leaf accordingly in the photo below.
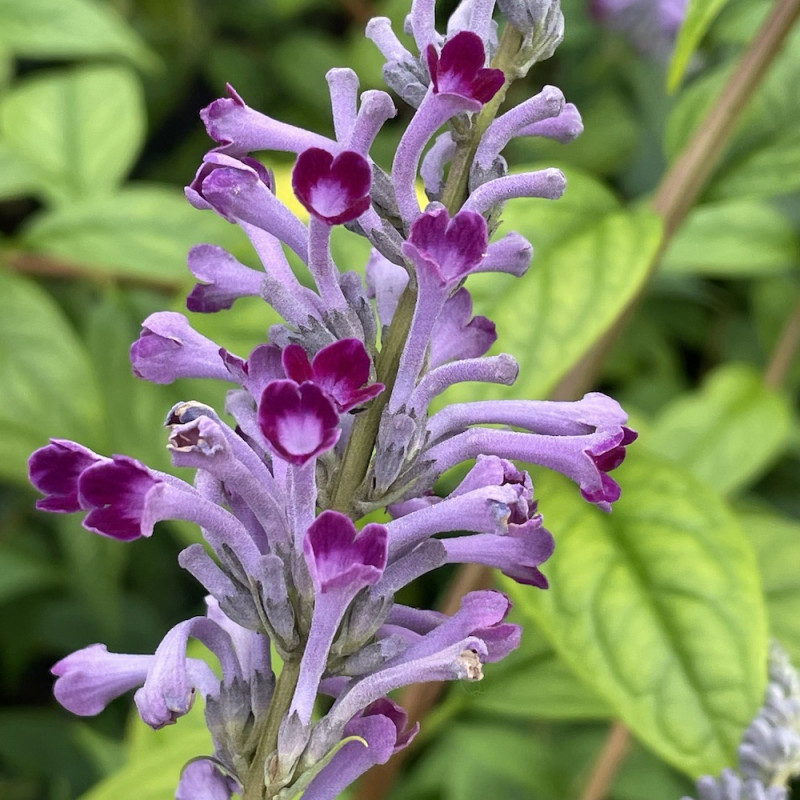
(48, 381)
(699, 16)
(68, 29)
(777, 544)
(729, 431)
(79, 129)
(590, 259)
(143, 232)
(734, 239)
(658, 607)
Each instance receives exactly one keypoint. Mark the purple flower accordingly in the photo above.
(446, 249)
(241, 191)
(118, 492)
(607, 455)
(458, 335)
(196, 191)
(460, 71)
(440, 648)
(201, 780)
(239, 129)
(585, 440)
(586, 458)
(89, 679)
(224, 279)
(339, 556)
(341, 561)
(333, 189)
(169, 348)
(340, 369)
(517, 554)
(298, 421)
(382, 727)
(173, 679)
(55, 469)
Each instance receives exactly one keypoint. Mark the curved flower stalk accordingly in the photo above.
(326, 425)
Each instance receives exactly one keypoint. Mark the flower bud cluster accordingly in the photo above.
(328, 426)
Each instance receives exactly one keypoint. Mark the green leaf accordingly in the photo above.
(767, 122)
(699, 16)
(48, 382)
(692, 105)
(577, 291)
(777, 544)
(533, 683)
(80, 129)
(590, 259)
(16, 177)
(22, 573)
(104, 559)
(658, 607)
(773, 169)
(153, 770)
(40, 743)
(733, 240)
(142, 232)
(491, 758)
(728, 432)
(68, 29)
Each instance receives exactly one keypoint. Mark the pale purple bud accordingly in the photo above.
(545, 183)
(223, 279)
(201, 780)
(89, 679)
(240, 130)
(343, 88)
(169, 348)
(564, 128)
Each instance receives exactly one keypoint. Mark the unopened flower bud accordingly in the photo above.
(542, 24)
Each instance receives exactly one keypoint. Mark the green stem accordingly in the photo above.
(358, 453)
(785, 352)
(691, 171)
(456, 188)
(255, 782)
(689, 175)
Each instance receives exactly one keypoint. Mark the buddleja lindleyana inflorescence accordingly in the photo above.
(328, 426)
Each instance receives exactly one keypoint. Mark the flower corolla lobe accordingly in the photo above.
(340, 370)
(459, 70)
(447, 249)
(298, 420)
(334, 189)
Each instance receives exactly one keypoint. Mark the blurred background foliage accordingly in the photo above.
(98, 133)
